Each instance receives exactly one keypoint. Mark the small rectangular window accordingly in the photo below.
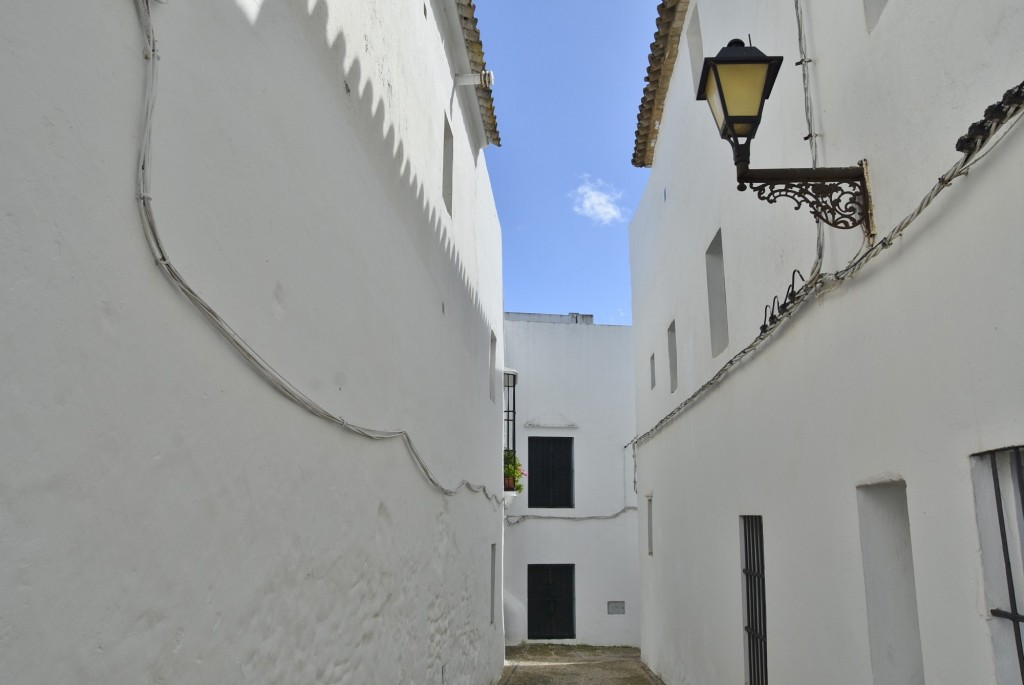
(616, 607)
(494, 578)
(873, 12)
(673, 378)
(696, 46)
(718, 315)
(650, 526)
(448, 161)
(652, 372)
(754, 620)
(492, 368)
(550, 483)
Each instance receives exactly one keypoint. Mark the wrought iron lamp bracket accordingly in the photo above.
(837, 196)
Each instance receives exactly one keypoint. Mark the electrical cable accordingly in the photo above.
(991, 147)
(825, 283)
(596, 517)
(812, 137)
(635, 481)
(260, 365)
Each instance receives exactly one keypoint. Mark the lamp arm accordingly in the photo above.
(746, 175)
(837, 196)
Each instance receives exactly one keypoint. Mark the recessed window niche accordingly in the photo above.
(718, 314)
(873, 12)
(696, 46)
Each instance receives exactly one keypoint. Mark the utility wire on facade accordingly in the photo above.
(260, 365)
(812, 136)
(515, 520)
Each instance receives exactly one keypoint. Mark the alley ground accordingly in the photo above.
(543, 664)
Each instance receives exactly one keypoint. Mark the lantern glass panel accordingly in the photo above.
(743, 89)
(715, 101)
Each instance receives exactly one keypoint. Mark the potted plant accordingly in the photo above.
(514, 472)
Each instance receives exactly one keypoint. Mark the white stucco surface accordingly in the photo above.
(165, 515)
(575, 381)
(900, 374)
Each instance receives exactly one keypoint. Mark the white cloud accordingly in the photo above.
(598, 201)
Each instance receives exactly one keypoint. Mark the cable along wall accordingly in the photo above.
(260, 365)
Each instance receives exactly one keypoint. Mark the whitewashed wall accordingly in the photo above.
(165, 515)
(576, 374)
(900, 374)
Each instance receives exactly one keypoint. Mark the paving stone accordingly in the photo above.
(549, 664)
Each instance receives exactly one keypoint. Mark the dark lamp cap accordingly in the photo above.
(738, 51)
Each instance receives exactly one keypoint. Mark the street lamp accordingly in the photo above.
(735, 83)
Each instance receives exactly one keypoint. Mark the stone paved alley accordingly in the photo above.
(546, 664)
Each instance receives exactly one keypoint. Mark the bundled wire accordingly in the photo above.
(812, 137)
(258, 364)
(515, 520)
(980, 140)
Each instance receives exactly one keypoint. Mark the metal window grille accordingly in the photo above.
(754, 600)
(511, 378)
(1008, 502)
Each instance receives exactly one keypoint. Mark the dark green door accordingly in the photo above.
(551, 601)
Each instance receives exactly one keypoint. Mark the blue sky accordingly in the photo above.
(569, 76)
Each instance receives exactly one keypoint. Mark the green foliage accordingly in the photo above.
(514, 470)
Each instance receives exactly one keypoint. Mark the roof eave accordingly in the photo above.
(660, 65)
(475, 53)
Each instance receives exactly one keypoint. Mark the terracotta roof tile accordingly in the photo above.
(475, 50)
(661, 62)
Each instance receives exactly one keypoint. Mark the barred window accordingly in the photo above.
(755, 623)
(511, 380)
(998, 483)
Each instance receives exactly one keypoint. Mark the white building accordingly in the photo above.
(571, 570)
(318, 180)
(832, 461)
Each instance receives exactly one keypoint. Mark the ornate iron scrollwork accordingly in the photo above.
(840, 204)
